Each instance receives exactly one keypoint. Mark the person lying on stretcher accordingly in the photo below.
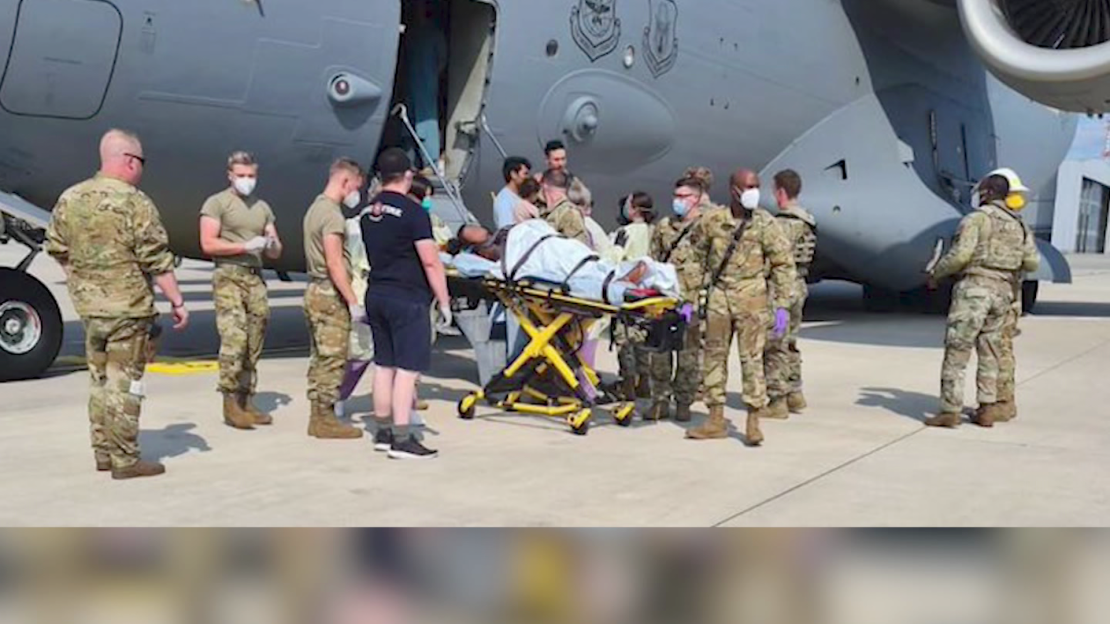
(533, 250)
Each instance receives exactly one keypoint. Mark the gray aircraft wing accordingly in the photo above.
(20, 208)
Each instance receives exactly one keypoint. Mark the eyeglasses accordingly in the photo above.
(142, 161)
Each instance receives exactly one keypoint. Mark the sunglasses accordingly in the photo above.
(142, 161)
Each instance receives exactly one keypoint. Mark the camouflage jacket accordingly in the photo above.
(763, 246)
(688, 263)
(991, 242)
(568, 221)
(109, 237)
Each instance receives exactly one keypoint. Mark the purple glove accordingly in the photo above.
(782, 322)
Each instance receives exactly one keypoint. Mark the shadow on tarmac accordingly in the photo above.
(912, 405)
(173, 441)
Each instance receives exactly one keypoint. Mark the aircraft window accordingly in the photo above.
(552, 47)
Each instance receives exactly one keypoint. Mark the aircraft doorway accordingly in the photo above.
(1094, 209)
(442, 79)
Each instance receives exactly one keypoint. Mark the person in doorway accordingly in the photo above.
(406, 273)
(237, 228)
(515, 171)
(329, 301)
(423, 193)
(426, 58)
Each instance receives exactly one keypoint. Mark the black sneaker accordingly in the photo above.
(411, 449)
(383, 439)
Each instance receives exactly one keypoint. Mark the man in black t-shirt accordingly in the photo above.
(406, 273)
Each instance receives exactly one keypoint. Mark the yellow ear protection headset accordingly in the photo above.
(1015, 201)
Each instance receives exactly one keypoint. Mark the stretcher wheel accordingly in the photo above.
(580, 423)
(467, 406)
(625, 414)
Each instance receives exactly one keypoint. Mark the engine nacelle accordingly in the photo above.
(1055, 52)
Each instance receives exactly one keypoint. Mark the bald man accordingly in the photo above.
(740, 243)
(108, 237)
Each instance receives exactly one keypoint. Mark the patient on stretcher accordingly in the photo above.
(533, 250)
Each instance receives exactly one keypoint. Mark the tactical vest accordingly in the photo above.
(1001, 243)
(803, 241)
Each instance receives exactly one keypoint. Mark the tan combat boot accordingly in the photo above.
(103, 464)
(777, 410)
(1007, 411)
(258, 417)
(324, 425)
(660, 410)
(796, 402)
(947, 420)
(753, 435)
(234, 416)
(985, 416)
(682, 414)
(716, 428)
(139, 470)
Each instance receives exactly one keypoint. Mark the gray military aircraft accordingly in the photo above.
(886, 107)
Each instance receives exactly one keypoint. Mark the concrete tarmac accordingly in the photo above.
(860, 456)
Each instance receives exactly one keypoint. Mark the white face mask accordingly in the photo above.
(245, 186)
(750, 199)
(976, 200)
(353, 199)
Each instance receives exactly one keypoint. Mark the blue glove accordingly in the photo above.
(782, 322)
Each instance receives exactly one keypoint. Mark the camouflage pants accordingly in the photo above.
(980, 306)
(329, 326)
(242, 315)
(782, 363)
(745, 315)
(634, 362)
(678, 375)
(1007, 361)
(116, 353)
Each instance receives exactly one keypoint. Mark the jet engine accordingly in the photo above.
(1056, 52)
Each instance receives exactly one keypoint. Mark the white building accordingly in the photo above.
(1079, 217)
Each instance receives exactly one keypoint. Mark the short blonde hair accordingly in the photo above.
(241, 158)
(347, 165)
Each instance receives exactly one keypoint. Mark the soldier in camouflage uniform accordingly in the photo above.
(109, 239)
(739, 244)
(236, 229)
(1007, 362)
(559, 212)
(992, 248)
(783, 361)
(673, 241)
(330, 303)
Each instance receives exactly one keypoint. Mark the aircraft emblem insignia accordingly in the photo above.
(660, 39)
(595, 27)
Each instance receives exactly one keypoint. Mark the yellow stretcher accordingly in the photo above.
(550, 377)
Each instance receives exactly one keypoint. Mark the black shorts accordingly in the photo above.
(402, 331)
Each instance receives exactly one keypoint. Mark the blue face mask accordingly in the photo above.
(681, 208)
(427, 204)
